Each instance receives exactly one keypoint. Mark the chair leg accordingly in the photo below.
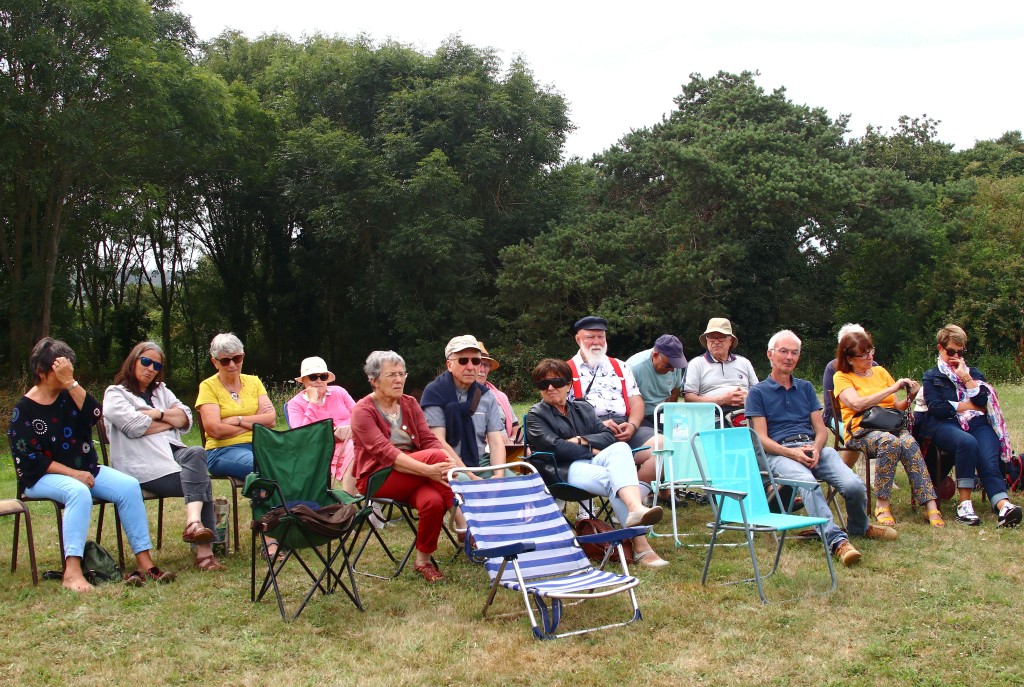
(234, 508)
(160, 523)
(60, 534)
(31, 547)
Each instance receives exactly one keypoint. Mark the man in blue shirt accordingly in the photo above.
(786, 414)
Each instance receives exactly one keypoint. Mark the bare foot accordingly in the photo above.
(76, 583)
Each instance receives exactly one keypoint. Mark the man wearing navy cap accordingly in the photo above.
(658, 373)
(608, 384)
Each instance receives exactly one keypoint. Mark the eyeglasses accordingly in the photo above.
(149, 362)
(867, 354)
(395, 375)
(955, 353)
(557, 382)
(236, 359)
(717, 337)
(466, 361)
(319, 377)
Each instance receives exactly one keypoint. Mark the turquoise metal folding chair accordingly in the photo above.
(529, 548)
(676, 468)
(732, 478)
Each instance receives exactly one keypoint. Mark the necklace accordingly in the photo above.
(234, 394)
(391, 416)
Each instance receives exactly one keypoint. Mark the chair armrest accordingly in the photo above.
(809, 486)
(612, 536)
(731, 493)
(507, 550)
(342, 496)
(254, 483)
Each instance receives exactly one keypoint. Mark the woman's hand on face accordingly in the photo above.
(64, 370)
(962, 370)
(314, 394)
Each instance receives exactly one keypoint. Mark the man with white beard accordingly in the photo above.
(608, 384)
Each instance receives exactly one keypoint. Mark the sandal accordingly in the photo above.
(195, 533)
(208, 563)
(883, 516)
(640, 559)
(278, 552)
(935, 518)
(160, 576)
(429, 572)
(134, 579)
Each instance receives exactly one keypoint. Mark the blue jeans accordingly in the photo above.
(606, 473)
(832, 470)
(230, 461)
(120, 489)
(977, 451)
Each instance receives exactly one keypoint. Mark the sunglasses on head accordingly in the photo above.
(236, 359)
(319, 377)
(557, 382)
(955, 353)
(466, 361)
(149, 362)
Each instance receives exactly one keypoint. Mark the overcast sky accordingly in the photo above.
(620, 64)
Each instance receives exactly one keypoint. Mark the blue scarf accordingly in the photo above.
(458, 416)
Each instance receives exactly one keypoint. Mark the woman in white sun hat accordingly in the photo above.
(321, 400)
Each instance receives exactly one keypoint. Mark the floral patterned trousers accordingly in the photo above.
(888, 450)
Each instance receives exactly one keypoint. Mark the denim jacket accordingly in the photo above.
(938, 391)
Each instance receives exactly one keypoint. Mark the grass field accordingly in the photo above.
(934, 608)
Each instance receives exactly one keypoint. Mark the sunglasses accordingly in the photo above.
(557, 382)
(149, 362)
(320, 377)
(955, 353)
(236, 359)
(466, 361)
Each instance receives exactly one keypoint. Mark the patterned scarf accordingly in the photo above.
(993, 411)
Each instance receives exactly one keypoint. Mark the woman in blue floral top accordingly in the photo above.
(51, 442)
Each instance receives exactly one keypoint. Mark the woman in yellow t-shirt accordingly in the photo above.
(230, 404)
(860, 386)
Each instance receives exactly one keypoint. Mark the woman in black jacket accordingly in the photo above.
(587, 454)
(963, 417)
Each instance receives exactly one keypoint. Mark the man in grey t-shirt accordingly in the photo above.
(462, 412)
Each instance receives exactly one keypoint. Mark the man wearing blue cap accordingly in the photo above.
(608, 384)
(658, 373)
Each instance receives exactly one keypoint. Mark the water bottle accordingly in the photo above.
(680, 429)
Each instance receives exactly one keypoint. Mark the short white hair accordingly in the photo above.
(778, 335)
(225, 344)
(849, 328)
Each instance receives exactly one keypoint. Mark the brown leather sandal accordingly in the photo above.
(209, 563)
(195, 533)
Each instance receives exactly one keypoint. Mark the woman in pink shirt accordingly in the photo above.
(318, 401)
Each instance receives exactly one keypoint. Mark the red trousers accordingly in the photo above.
(431, 498)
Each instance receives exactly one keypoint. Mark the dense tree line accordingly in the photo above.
(331, 196)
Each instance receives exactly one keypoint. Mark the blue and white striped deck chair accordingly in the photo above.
(529, 548)
(676, 467)
(728, 464)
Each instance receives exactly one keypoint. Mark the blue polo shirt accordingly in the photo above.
(787, 411)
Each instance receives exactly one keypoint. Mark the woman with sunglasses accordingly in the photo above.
(961, 414)
(145, 422)
(318, 401)
(230, 404)
(54, 458)
(859, 385)
(587, 454)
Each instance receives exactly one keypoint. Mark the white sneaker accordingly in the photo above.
(1009, 515)
(965, 514)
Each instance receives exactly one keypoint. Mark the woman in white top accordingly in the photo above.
(145, 421)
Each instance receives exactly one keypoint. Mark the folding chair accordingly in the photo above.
(17, 508)
(291, 471)
(235, 485)
(104, 442)
(676, 467)
(729, 468)
(514, 520)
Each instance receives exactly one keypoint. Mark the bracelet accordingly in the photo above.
(73, 385)
(161, 416)
(635, 428)
(239, 420)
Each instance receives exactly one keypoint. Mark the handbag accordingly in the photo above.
(598, 552)
(879, 419)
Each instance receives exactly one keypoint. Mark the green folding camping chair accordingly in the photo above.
(292, 502)
(729, 467)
